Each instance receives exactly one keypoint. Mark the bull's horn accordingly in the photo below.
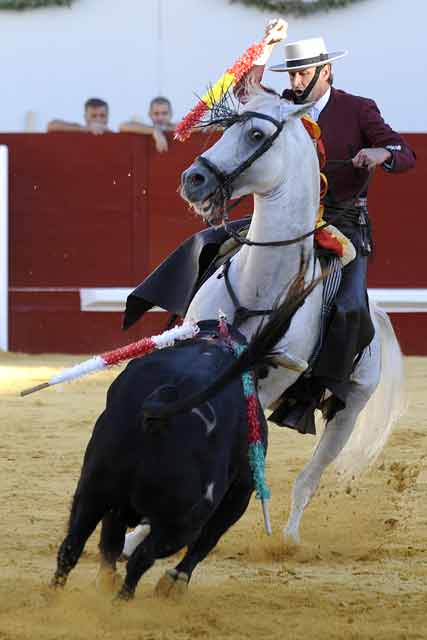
(288, 361)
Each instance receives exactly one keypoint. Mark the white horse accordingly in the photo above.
(280, 167)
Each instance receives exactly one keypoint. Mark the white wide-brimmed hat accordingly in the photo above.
(307, 53)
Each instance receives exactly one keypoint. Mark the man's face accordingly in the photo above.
(160, 114)
(96, 115)
(301, 79)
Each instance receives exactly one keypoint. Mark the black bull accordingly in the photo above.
(163, 451)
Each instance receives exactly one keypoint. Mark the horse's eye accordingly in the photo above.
(256, 135)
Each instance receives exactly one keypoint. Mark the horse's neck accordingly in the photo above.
(261, 274)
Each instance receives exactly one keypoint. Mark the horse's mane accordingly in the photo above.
(257, 94)
(227, 109)
(254, 90)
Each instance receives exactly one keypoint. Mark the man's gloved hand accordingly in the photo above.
(276, 30)
(370, 158)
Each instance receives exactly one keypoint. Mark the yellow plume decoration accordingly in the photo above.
(219, 89)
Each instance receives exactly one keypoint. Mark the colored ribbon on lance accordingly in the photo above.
(110, 358)
(256, 448)
(229, 79)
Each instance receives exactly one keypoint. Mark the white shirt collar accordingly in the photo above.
(322, 102)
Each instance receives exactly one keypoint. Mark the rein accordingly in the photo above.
(241, 314)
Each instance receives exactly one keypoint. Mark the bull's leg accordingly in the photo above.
(335, 436)
(86, 512)
(229, 511)
(140, 561)
(110, 545)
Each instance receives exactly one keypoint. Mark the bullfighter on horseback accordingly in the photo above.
(265, 151)
(356, 140)
(352, 128)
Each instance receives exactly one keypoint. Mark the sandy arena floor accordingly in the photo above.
(361, 571)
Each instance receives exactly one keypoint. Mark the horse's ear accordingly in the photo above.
(290, 110)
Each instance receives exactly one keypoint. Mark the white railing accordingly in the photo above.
(391, 300)
(4, 247)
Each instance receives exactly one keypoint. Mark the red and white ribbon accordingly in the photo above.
(136, 349)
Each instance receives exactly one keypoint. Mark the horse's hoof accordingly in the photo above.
(173, 584)
(291, 537)
(107, 581)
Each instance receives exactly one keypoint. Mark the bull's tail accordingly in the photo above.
(260, 350)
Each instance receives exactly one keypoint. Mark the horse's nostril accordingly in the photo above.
(197, 179)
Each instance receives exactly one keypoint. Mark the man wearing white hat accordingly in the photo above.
(357, 140)
(308, 64)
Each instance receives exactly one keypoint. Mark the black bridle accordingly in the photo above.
(225, 182)
(224, 190)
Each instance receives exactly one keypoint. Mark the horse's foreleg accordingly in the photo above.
(335, 436)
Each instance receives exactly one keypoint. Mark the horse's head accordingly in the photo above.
(254, 155)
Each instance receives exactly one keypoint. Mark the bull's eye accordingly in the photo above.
(256, 135)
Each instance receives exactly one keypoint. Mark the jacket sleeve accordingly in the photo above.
(379, 134)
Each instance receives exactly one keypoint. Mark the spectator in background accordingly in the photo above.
(96, 113)
(160, 113)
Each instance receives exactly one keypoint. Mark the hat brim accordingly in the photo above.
(333, 55)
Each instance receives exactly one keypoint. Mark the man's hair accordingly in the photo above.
(161, 100)
(95, 103)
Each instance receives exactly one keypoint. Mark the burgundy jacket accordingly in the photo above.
(350, 123)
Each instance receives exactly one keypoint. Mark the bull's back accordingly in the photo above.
(187, 451)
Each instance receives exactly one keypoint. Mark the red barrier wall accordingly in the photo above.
(103, 211)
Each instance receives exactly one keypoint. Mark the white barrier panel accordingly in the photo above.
(4, 246)
(391, 300)
(106, 299)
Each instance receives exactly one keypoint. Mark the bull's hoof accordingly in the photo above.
(107, 581)
(50, 594)
(173, 584)
(124, 595)
(58, 581)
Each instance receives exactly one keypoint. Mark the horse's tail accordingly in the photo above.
(260, 351)
(384, 408)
